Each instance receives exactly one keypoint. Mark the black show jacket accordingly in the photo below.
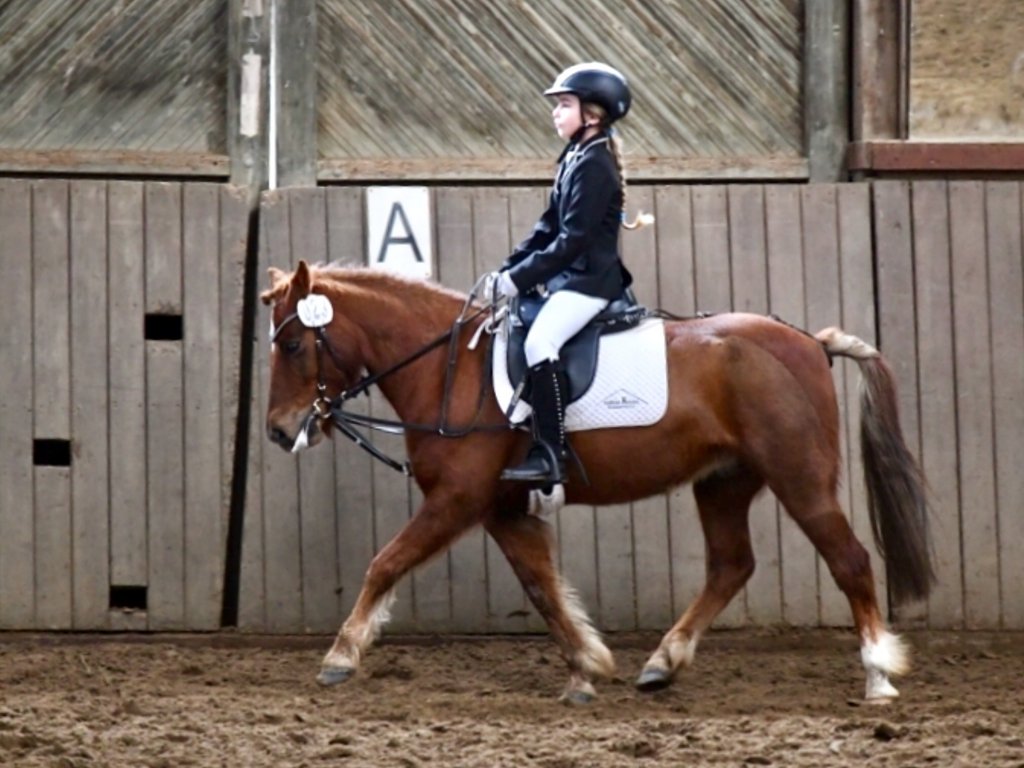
(575, 243)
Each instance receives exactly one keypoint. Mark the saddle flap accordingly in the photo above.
(578, 358)
(578, 355)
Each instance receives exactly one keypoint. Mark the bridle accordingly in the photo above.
(321, 403)
(325, 408)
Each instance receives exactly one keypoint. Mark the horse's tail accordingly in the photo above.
(897, 499)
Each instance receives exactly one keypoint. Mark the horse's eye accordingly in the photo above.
(291, 346)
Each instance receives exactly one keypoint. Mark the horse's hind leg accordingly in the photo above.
(819, 515)
(526, 542)
(723, 502)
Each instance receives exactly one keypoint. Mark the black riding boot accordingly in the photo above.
(545, 463)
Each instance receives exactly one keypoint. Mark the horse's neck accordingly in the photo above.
(398, 318)
(395, 327)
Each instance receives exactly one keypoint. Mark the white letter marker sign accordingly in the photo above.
(399, 230)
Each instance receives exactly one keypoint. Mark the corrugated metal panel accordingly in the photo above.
(461, 78)
(113, 75)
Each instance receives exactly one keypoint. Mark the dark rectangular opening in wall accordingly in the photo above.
(128, 598)
(164, 327)
(51, 453)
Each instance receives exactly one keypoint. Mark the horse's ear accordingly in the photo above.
(302, 280)
(278, 285)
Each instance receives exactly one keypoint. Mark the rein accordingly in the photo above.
(346, 422)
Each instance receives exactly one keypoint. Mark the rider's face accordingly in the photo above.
(566, 115)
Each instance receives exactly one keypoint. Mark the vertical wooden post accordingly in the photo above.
(878, 91)
(826, 84)
(295, 56)
(248, 145)
(247, 107)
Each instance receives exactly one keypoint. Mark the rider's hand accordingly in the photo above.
(498, 286)
(505, 286)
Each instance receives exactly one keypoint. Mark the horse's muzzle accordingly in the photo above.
(279, 436)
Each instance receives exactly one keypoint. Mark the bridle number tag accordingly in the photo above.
(315, 311)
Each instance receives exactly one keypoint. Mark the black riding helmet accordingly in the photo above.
(596, 83)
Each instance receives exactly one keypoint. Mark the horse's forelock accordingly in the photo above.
(280, 283)
(273, 294)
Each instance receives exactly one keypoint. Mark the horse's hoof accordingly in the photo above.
(878, 689)
(576, 698)
(653, 679)
(880, 701)
(334, 675)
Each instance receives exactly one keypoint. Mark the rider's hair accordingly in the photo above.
(598, 113)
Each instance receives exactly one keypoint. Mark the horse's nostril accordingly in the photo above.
(278, 435)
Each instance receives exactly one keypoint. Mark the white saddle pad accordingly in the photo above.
(630, 386)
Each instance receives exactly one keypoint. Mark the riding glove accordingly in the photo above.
(499, 286)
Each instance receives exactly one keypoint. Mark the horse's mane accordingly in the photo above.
(423, 297)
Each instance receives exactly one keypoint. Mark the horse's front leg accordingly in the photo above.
(439, 521)
(526, 542)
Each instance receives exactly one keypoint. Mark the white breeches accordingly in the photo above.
(563, 316)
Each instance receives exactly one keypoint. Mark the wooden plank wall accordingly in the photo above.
(950, 311)
(313, 522)
(142, 499)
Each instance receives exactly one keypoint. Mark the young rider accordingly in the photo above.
(572, 251)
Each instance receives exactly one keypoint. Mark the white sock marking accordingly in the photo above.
(594, 657)
(888, 653)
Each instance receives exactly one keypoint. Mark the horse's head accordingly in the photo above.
(313, 355)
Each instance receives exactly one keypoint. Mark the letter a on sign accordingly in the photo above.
(398, 224)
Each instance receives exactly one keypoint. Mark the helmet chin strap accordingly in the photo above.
(578, 134)
(577, 137)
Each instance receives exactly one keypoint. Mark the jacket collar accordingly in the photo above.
(575, 150)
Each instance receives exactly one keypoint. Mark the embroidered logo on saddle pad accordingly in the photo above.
(630, 386)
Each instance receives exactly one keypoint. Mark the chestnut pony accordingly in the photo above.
(751, 405)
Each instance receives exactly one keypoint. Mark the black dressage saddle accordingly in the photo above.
(578, 355)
